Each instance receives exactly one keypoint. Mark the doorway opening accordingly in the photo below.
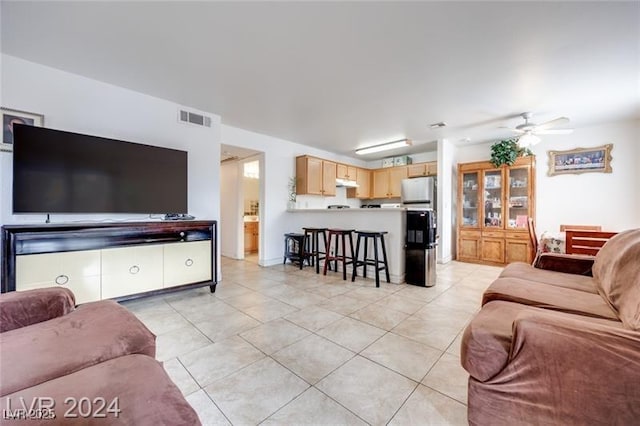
(241, 206)
(251, 209)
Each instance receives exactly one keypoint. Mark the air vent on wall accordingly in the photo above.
(193, 118)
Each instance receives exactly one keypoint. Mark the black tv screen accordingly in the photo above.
(64, 172)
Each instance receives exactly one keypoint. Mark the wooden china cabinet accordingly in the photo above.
(494, 204)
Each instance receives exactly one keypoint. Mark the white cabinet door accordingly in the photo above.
(130, 270)
(79, 271)
(186, 263)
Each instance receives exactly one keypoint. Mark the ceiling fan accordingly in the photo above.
(529, 131)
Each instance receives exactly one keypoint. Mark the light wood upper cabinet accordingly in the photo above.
(380, 183)
(315, 176)
(422, 169)
(387, 182)
(396, 174)
(328, 178)
(363, 179)
(344, 171)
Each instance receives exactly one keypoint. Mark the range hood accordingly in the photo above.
(346, 183)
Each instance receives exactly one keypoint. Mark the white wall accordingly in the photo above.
(230, 191)
(277, 166)
(446, 210)
(607, 199)
(78, 104)
(611, 200)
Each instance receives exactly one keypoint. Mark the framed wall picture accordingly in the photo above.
(580, 160)
(11, 117)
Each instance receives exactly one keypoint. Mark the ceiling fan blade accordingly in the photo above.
(512, 129)
(554, 132)
(556, 122)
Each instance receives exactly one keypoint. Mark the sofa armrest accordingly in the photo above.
(23, 308)
(568, 263)
(562, 369)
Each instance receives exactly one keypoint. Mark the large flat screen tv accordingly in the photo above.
(64, 172)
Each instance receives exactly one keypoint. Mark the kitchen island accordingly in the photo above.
(391, 220)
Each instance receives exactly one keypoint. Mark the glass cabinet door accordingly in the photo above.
(470, 211)
(492, 199)
(518, 197)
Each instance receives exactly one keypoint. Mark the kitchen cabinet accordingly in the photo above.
(494, 205)
(344, 171)
(422, 169)
(387, 181)
(315, 176)
(363, 179)
(251, 236)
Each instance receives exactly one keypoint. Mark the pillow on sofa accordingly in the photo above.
(616, 272)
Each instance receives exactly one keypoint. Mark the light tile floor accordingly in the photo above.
(283, 346)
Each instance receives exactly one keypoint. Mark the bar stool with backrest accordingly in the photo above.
(378, 265)
(313, 245)
(340, 251)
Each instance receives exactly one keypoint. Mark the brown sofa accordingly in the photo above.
(549, 347)
(52, 355)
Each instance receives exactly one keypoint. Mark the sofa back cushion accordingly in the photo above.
(616, 272)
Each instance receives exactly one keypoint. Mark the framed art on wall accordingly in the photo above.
(11, 117)
(580, 160)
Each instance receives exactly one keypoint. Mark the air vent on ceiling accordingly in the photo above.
(193, 118)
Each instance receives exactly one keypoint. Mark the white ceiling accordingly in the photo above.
(340, 75)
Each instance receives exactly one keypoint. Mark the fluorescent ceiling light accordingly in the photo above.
(528, 139)
(383, 147)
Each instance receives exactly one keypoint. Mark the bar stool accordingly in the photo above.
(378, 265)
(294, 249)
(312, 236)
(340, 252)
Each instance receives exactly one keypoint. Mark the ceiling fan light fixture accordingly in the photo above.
(528, 139)
(384, 147)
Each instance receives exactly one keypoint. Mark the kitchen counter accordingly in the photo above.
(352, 210)
(392, 220)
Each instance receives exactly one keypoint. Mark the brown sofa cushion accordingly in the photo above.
(560, 279)
(617, 275)
(548, 297)
(23, 308)
(145, 394)
(93, 333)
